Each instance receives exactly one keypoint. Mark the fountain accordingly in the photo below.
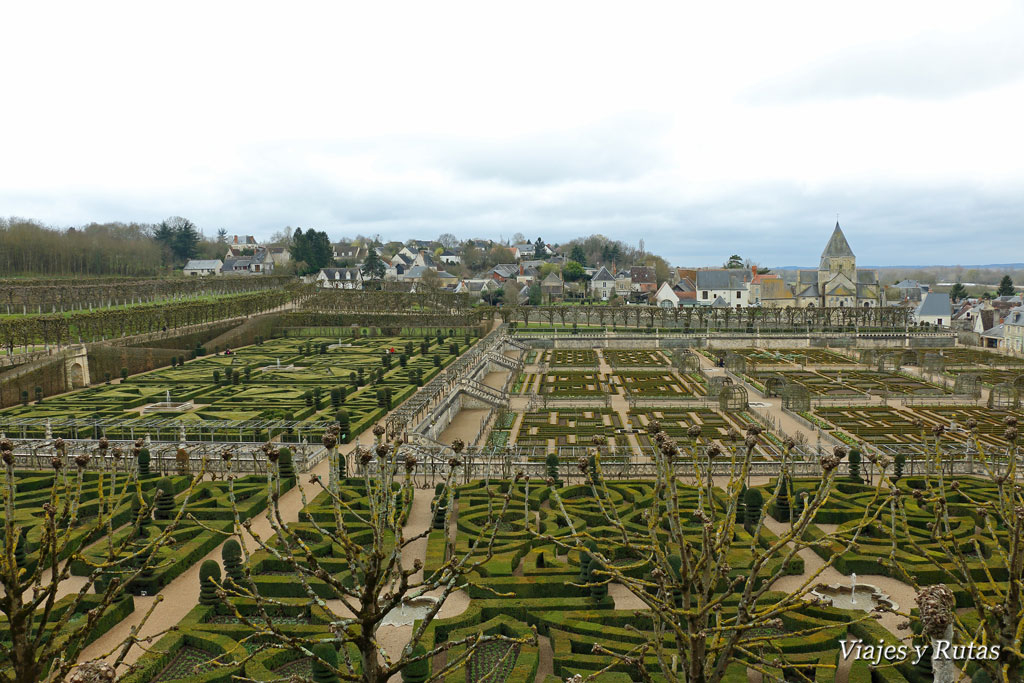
(411, 610)
(167, 405)
(277, 367)
(845, 597)
(339, 345)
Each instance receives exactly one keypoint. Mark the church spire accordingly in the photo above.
(837, 245)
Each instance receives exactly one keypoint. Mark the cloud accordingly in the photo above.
(928, 66)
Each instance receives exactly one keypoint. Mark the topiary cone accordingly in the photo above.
(322, 673)
(417, 672)
(208, 574)
(164, 500)
(143, 463)
(231, 555)
(284, 463)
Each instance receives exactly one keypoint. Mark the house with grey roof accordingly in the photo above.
(339, 278)
(199, 267)
(934, 309)
(732, 285)
(602, 284)
(1013, 330)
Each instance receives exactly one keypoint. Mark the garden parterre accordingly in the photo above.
(532, 582)
(570, 427)
(250, 385)
(890, 425)
(793, 357)
(853, 382)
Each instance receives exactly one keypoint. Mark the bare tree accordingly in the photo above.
(382, 578)
(993, 507)
(41, 639)
(686, 539)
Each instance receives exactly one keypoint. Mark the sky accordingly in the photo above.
(703, 128)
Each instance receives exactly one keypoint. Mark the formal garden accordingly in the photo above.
(793, 357)
(624, 561)
(355, 380)
(851, 383)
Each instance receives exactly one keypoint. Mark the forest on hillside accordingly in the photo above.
(28, 247)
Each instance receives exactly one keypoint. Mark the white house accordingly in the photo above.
(934, 309)
(449, 258)
(203, 267)
(731, 285)
(666, 297)
(339, 278)
(602, 284)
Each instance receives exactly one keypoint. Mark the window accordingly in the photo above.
(939, 321)
(737, 295)
(704, 294)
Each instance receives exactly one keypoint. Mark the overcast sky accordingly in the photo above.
(705, 130)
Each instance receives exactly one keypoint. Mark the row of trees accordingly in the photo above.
(87, 326)
(123, 249)
(47, 295)
(889, 317)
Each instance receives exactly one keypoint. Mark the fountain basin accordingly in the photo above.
(867, 597)
(282, 368)
(409, 611)
(168, 407)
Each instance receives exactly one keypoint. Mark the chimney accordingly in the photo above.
(521, 270)
(753, 269)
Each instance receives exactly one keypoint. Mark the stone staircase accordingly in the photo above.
(481, 391)
(504, 361)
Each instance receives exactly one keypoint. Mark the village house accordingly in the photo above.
(552, 286)
(602, 284)
(731, 285)
(642, 280)
(339, 278)
(934, 309)
(200, 267)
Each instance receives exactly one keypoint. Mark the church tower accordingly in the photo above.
(837, 258)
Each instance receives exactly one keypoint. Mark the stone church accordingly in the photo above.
(836, 283)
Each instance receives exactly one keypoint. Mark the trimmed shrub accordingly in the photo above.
(343, 423)
(143, 463)
(440, 506)
(335, 398)
(782, 508)
(216, 376)
(124, 374)
(753, 501)
(164, 500)
(284, 463)
(208, 573)
(437, 360)
(417, 672)
(231, 556)
(898, 464)
(453, 349)
(854, 459)
(551, 462)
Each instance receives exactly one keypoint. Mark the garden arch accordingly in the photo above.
(733, 399)
(796, 397)
(967, 384)
(775, 385)
(1004, 397)
(716, 384)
